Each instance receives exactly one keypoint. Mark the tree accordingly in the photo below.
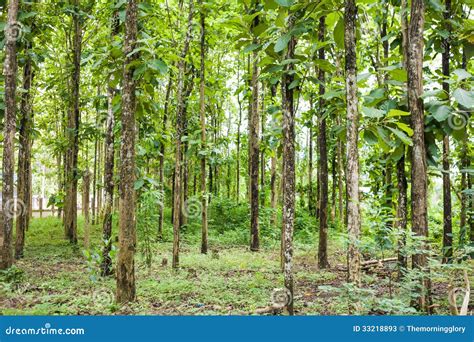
(447, 211)
(353, 204)
(71, 168)
(8, 165)
(202, 112)
(323, 161)
(24, 156)
(418, 156)
(254, 145)
(106, 267)
(288, 174)
(127, 226)
(180, 119)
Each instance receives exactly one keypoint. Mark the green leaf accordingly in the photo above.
(251, 47)
(373, 112)
(282, 42)
(462, 74)
(397, 112)
(158, 65)
(138, 184)
(402, 136)
(285, 3)
(441, 113)
(339, 34)
(404, 127)
(464, 98)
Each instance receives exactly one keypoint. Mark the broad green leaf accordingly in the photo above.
(339, 34)
(462, 74)
(373, 112)
(282, 42)
(441, 113)
(404, 127)
(402, 136)
(285, 3)
(464, 98)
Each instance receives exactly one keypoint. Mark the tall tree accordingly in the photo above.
(323, 161)
(254, 144)
(24, 155)
(202, 112)
(447, 210)
(106, 267)
(418, 157)
(127, 226)
(8, 165)
(353, 204)
(288, 166)
(180, 120)
(70, 208)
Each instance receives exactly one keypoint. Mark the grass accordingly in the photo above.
(56, 278)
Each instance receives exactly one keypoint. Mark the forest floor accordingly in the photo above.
(56, 278)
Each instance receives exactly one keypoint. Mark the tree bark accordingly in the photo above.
(179, 133)
(419, 166)
(323, 161)
(127, 225)
(85, 207)
(202, 112)
(109, 158)
(288, 168)
(447, 211)
(8, 166)
(70, 202)
(353, 205)
(254, 149)
(24, 158)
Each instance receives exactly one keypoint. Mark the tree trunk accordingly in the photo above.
(9, 72)
(179, 133)
(86, 180)
(94, 180)
(447, 212)
(109, 158)
(70, 203)
(202, 113)
(288, 168)
(254, 149)
(419, 166)
(24, 159)
(353, 202)
(127, 232)
(161, 215)
(239, 124)
(323, 162)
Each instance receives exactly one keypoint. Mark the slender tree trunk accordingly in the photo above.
(447, 212)
(162, 160)
(70, 205)
(202, 112)
(419, 166)
(323, 161)
(179, 133)
(288, 168)
(24, 159)
(85, 207)
(94, 179)
(239, 124)
(8, 166)
(127, 232)
(353, 201)
(254, 149)
(109, 158)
